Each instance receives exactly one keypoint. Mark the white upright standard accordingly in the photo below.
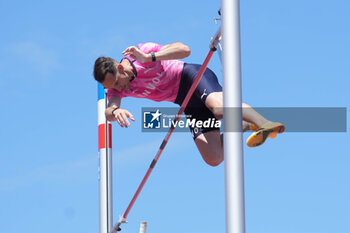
(233, 141)
(105, 163)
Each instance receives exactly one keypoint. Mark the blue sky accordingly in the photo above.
(294, 54)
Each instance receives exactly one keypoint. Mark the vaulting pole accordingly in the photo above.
(198, 77)
(233, 142)
(105, 163)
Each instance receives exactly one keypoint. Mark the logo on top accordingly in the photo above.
(152, 119)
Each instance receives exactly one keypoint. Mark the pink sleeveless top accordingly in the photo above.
(158, 81)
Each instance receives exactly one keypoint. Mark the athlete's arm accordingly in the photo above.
(119, 115)
(172, 51)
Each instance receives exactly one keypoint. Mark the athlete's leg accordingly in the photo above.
(210, 146)
(214, 102)
(265, 128)
(247, 126)
(252, 116)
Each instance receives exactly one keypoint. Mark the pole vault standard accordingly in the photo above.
(233, 142)
(105, 163)
(213, 46)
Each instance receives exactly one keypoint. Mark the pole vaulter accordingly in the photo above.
(213, 47)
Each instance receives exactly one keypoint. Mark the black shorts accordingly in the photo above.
(196, 108)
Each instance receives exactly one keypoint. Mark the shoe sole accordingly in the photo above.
(259, 137)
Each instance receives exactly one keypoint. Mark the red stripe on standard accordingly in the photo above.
(102, 136)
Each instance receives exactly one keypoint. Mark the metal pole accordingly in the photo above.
(233, 142)
(105, 163)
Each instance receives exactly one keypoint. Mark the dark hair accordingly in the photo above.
(103, 65)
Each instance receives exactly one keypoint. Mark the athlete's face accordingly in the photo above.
(119, 81)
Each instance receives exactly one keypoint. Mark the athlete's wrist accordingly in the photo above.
(153, 56)
(115, 109)
(149, 57)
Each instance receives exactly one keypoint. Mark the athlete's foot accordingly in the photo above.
(249, 126)
(256, 128)
(253, 127)
(245, 126)
(269, 129)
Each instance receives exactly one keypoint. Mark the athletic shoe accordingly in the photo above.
(268, 130)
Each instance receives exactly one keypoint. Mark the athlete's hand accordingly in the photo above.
(122, 116)
(136, 54)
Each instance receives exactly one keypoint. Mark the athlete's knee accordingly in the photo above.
(210, 147)
(218, 113)
(214, 159)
